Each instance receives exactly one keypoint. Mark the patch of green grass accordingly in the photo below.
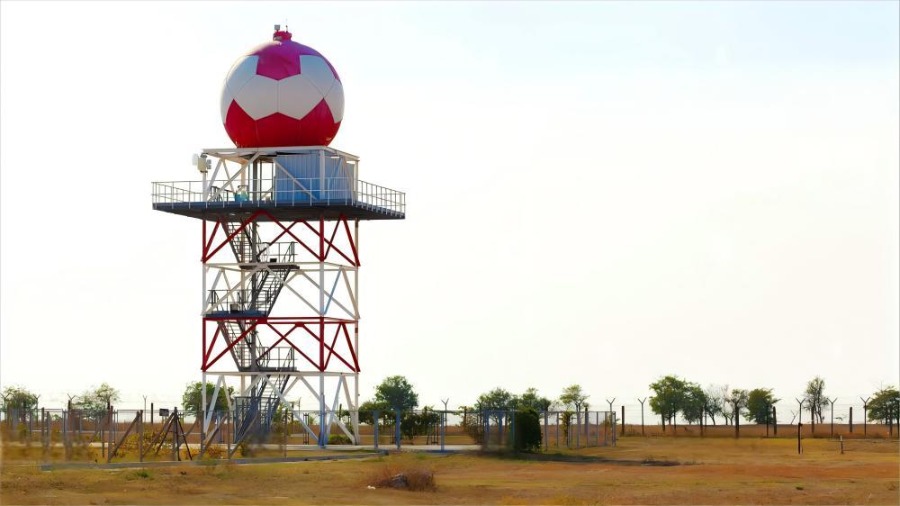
(139, 474)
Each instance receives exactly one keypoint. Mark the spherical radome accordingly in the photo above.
(282, 93)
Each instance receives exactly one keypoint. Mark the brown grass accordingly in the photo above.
(416, 477)
(708, 471)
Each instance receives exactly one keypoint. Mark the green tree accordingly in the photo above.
(472, 423)
(498, 399)
(694, 403)
(815, 398)
(670, 396)
(715, 400)
(759, 405)
(494, 404)
(885, 405)
(94, 402)
(532, 400)
(192, 398)
(397, 393)
(414, 424)
(573, 397)
(738, 400)
(16, 397)
(367, 413)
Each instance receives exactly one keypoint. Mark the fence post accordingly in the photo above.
(587, 427)
(375, 417)
(832, 401)
(65, 434)
(642, 414)
(109, 433)
(141, 438)
(102, 437)
(443, 427)
(615, 441)
(812, 418)
(865, 412)
(557, 430)
(774, 422)
(45, 435)
(512, 430)
(546, 442)
(284, 438)
(578, 426)
(891, 417)
(397, 428)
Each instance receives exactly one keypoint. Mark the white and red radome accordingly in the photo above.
(282, 93)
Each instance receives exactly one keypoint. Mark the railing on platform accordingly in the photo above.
(296, 192)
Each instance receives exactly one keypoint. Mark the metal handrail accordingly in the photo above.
(304, 191)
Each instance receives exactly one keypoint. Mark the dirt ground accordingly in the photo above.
(637, 471)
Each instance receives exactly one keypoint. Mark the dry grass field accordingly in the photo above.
(637, 471)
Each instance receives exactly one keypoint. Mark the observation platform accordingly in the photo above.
(299, 183)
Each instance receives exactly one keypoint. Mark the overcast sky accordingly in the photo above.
(598, 193)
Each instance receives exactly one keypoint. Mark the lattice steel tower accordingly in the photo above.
(280, 263)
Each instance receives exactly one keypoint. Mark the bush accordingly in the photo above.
(526, 435)
(567, 424)
(214, 451)
(339, 439)
(473, 425)
(415, 479)
(131, 444)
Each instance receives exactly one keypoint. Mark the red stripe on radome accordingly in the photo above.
(319, 127)
(278, 60)
(315, 129)
(278, 130)
(241, 128)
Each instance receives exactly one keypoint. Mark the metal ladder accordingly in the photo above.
(245, 251)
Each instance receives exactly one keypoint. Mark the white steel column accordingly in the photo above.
(355, 409)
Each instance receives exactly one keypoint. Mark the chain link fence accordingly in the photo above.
(847, 419)
(134, 435)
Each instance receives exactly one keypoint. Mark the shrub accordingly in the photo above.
(415, 479)
(567, 424)
(131, 444)
(214, 452)
(473, 425)
(526, 435)
(339, 439)
(139, 474)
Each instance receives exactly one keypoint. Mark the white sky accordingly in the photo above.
(598, 193)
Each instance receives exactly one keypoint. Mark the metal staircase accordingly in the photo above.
(242, 244)
(255, 411)
(242, 352)
(266, 287)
